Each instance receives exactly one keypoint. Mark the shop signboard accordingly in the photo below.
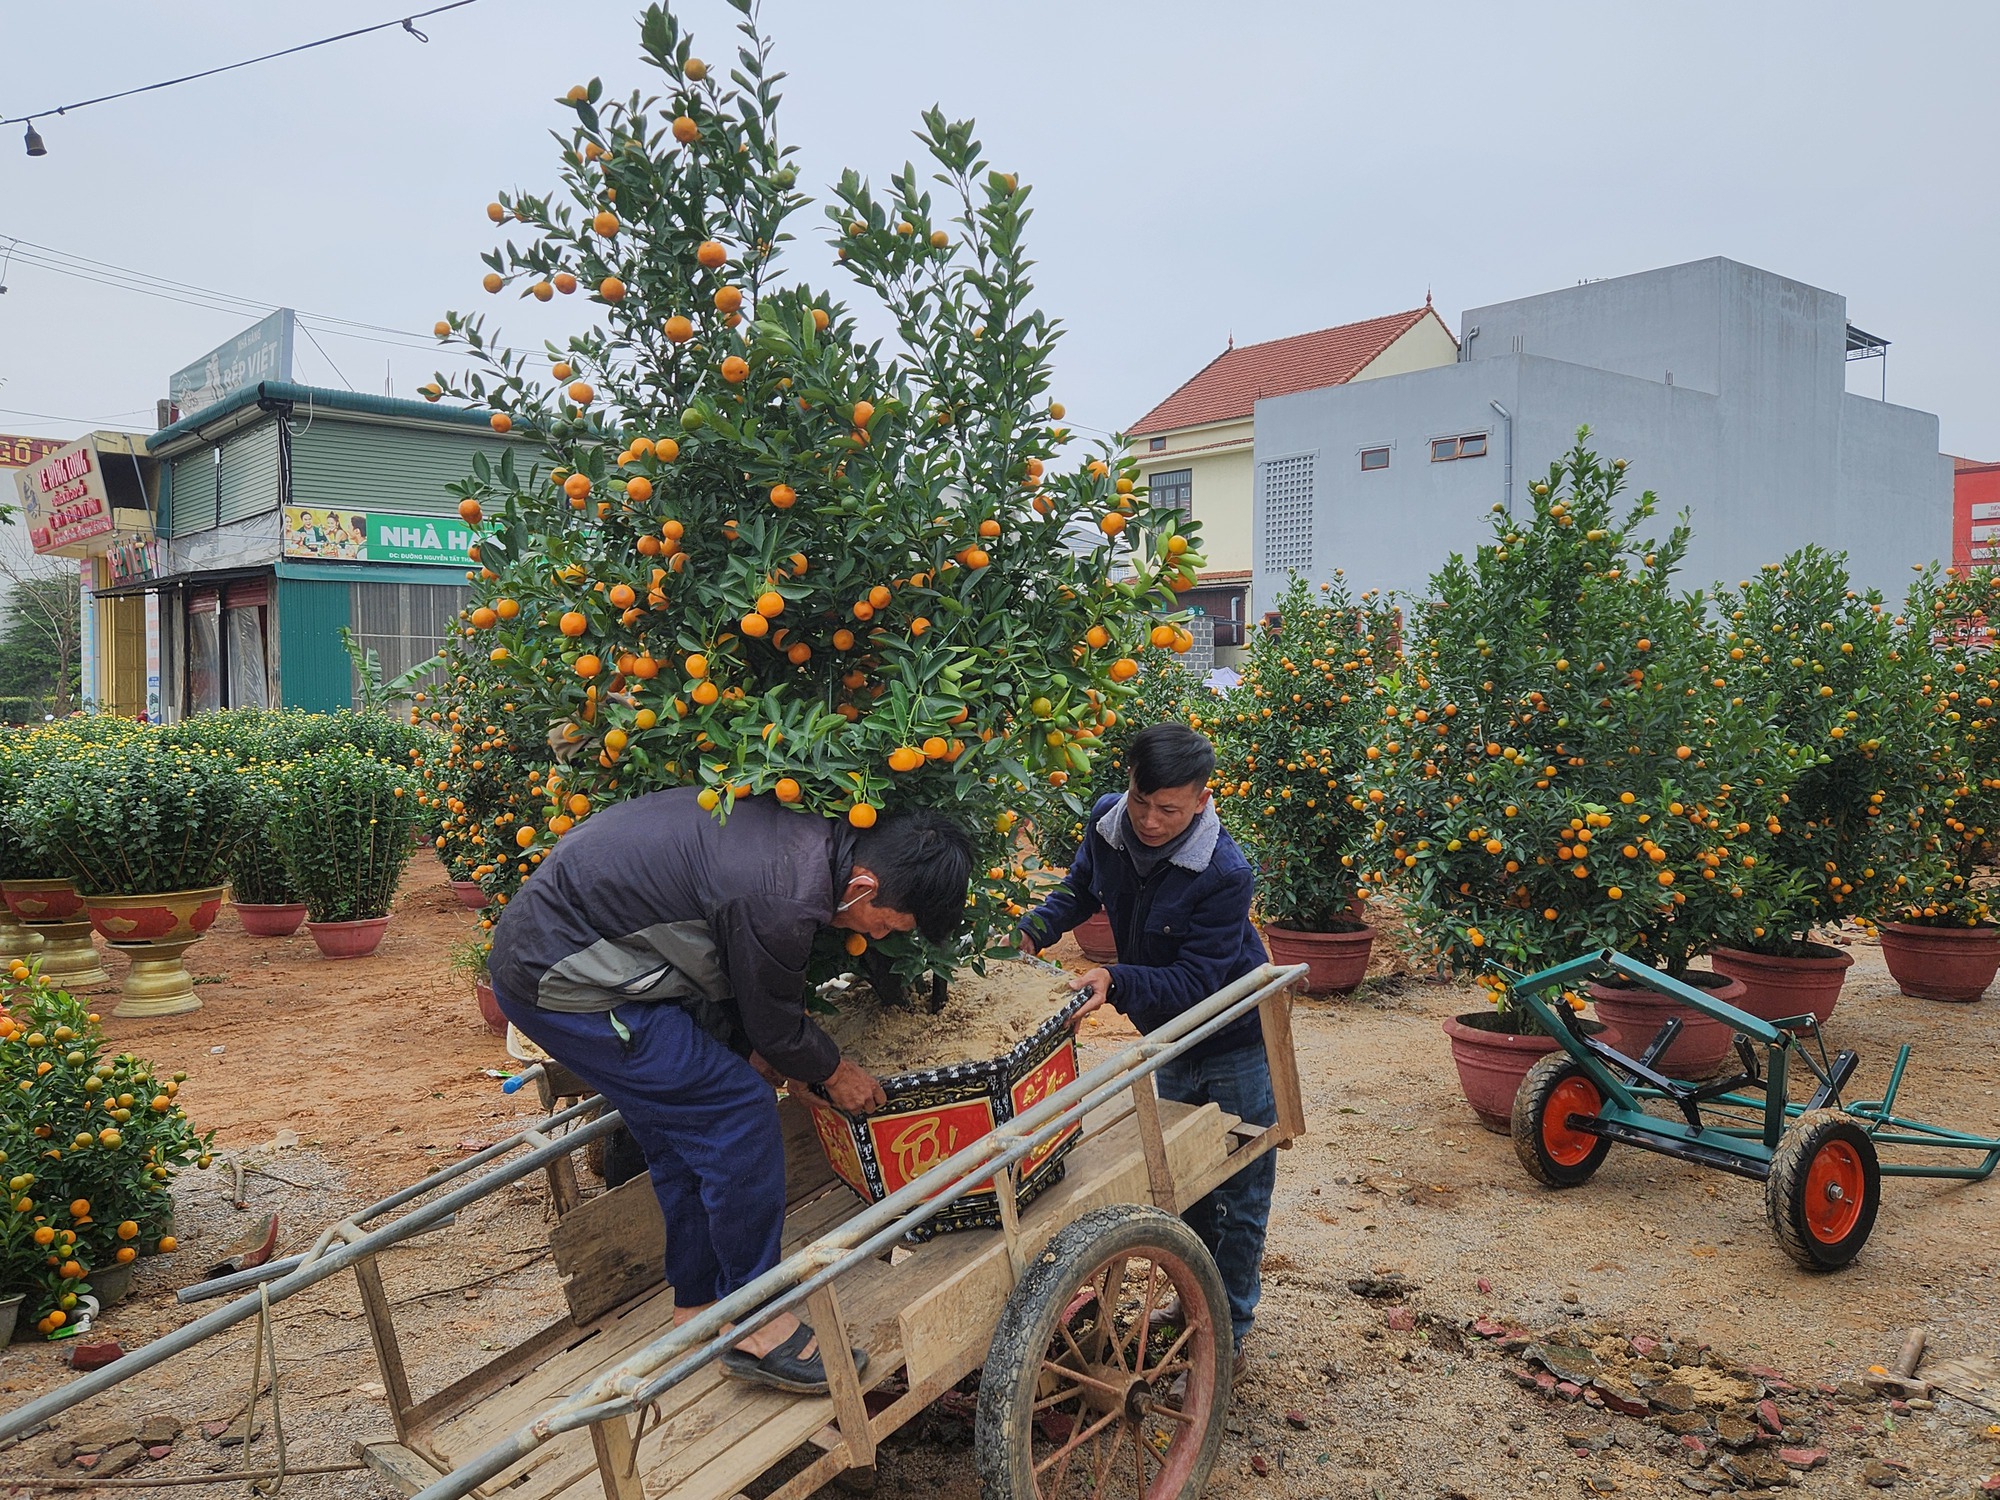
(133, 560)
(63, 500)
(376, 536)
(262, 351)
(17, 452)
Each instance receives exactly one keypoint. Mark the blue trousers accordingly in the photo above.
(707, 1124)
(1231, 1220)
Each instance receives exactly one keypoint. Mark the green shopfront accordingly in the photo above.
(288, 512)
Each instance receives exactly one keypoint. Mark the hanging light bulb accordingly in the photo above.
(35, 146)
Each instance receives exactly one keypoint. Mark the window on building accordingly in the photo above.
(1472, 445)
(1287, 485)
(404, 624)
(1155, 445)
(1374, 458)
(1173, 487)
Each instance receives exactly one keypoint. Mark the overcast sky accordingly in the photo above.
(1199, 170)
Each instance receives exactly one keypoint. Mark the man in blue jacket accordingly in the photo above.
(1177, 892)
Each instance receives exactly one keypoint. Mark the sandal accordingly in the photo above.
(785, 1368)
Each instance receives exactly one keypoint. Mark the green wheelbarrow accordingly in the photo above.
(1818, 1159)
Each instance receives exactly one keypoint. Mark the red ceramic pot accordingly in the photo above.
(1777, 985)
(1491, 1064)
(1093, 936)
(489, 1008)
(36, 901)
(1941, 963)
(263, 920)
(348, 939)
(1633, 1015)
(1336, 962)
(169, 917)
(470, 893)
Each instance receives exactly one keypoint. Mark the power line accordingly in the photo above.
(403, 22)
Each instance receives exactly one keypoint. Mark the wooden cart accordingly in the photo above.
(1097, 1316)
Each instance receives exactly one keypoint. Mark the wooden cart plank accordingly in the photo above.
(407, 1471)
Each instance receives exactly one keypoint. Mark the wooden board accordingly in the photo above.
(612, 1247)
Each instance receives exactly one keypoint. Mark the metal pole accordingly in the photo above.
(1507, 474)
(626, 1386)
(25, 1419)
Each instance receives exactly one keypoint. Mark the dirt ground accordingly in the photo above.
(332, 1083)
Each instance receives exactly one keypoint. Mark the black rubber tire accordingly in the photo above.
(1531, 1107)
(1785, 1190)
(1004, 1427)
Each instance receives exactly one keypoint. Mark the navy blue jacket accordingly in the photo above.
(1182, 934)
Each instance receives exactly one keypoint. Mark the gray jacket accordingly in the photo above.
(653, 900)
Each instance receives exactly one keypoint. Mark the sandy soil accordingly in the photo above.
(376, 1065)
(987, 1015)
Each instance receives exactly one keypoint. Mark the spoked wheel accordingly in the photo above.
(1554, 1151)
(1824, 1190)
(1087, 1391)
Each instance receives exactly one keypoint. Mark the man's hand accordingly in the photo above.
(1098, 983)
(1026, 944)
(853, 1090)
(768, 1073)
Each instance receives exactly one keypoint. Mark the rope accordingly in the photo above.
(265, 1338)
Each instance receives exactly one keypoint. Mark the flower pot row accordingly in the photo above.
(1336, 962)
(1937, 963)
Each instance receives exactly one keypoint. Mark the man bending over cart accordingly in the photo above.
(1177, 892)
(660, 956)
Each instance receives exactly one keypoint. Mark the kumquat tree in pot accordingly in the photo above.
(766, 556)
(1563, 764)
(1287, 738)
(1850, 686)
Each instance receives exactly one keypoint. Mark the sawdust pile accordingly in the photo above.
(985, 1016)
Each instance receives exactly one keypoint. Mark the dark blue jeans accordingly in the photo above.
(1231, 1220)
(707, 1124)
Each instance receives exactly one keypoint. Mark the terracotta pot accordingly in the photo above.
(263, 920)
(1491, 1064)
(470, 893)
(1336, 962)
(348, 939)
(1941, 963)
(1093, 936)
(168, 917)
(1776, 985)
(37, 901)
(489, 1008)
(1633, 1016)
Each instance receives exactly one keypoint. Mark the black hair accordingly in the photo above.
(1164, 755)
(922, 864)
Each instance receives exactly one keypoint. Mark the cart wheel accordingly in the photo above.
(1556, 1088)
(1081, 1395)
(1824, 1189)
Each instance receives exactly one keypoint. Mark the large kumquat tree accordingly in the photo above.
(1564, 762)
(764, 555)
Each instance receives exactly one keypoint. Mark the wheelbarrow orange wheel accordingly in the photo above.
(1110, 1368)
(1824, 1190)
(1554, 1151)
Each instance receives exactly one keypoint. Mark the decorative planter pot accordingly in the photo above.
(10, 1313)
(53, 909)
(1633, 1016)
(1491, 1064)
(155, 932)
(934, 1114)
(263, 920)
(1336, 962)
(1941, 963)
(470, 893)
(17, 941)
(111, 1284)
(1776, 985)
(348, 939)
(489, 1008)
(1093, 936)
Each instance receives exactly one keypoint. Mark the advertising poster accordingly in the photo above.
(377, 536)
(63, 499)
